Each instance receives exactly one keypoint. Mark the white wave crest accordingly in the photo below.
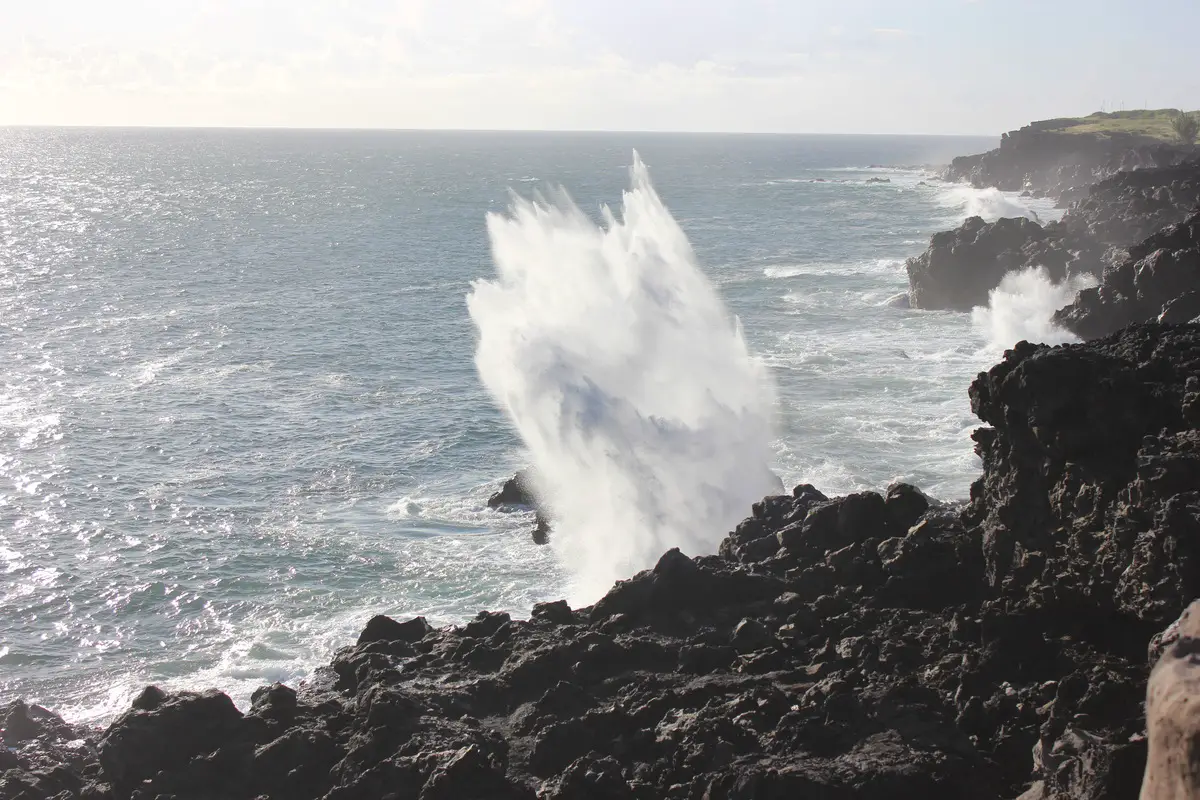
(991, 204)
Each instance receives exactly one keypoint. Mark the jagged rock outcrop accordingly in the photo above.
(1129, 206)
(1159, 279)
(1087, 512)
(1041, 159)
(516, 493)
(866, 646)
(961, 266)
(519, 494)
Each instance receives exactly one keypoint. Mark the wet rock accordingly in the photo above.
(149, 698)
(520, 494)
(541, 528)
(21, 722)
(516, 493)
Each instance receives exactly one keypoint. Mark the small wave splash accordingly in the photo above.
(1022, 306)
(648, 420)
(991, 204)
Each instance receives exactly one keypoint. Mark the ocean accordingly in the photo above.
(241, 413)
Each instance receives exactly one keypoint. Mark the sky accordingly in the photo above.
(787, 66)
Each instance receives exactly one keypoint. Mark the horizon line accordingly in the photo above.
(350, 129)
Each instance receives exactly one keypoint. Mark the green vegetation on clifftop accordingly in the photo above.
(1155, 124)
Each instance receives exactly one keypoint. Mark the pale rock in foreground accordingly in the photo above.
(1173, 714)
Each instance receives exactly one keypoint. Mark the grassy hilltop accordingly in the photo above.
(1153, 123)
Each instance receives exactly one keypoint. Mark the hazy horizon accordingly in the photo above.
(342, 129)
(938, 67)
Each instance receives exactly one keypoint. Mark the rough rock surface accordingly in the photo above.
(961, 266)
(1044, 162)
(1159, 279)
(1129, 206)
(865, 646)
(518, 494)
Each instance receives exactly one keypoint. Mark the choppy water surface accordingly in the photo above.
(239, 412)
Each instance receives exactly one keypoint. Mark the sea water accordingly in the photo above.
(244, 405)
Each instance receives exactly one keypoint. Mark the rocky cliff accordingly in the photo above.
(868, 646)
(1045, 161)
(961, 266)
(1158, 279)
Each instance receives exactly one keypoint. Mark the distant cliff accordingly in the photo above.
(1063, 157)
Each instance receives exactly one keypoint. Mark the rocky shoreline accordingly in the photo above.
(866, 646)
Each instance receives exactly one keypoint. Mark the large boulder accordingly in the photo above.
(187, 734)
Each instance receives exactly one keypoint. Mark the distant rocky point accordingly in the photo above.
(1063, 157)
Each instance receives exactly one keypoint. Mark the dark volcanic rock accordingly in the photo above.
(517, 492)
(961, 266)
(1137, 193)
(1091, 480)
(1158, 280)
(193, 738)
(1041, 160)
(385, 629)
(1129, 206)
(851, 647)
(41, 756)
(905, 504)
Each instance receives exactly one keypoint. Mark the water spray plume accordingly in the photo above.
(648, 420)
(1022, 307)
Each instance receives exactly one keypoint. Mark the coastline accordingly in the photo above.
(790, 661)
